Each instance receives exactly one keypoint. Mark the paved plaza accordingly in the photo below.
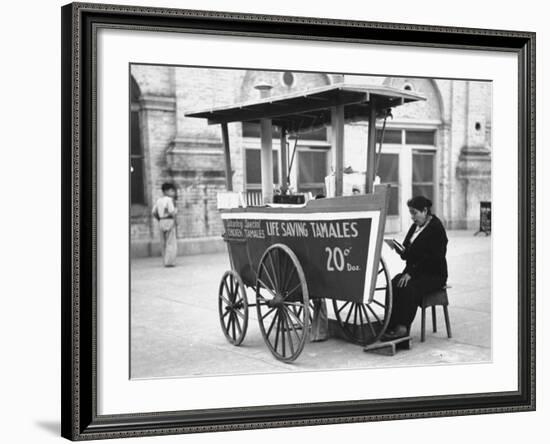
(175, 329)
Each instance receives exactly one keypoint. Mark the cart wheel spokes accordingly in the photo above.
(233, 307)
(364, 323)
(282, 303)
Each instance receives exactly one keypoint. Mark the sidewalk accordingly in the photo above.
(175, 329)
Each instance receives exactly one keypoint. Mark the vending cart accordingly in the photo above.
(295, 252)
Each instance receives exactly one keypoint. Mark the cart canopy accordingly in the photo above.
(311, 109)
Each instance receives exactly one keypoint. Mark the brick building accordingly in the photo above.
(440, 147)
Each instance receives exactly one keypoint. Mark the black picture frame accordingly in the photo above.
(79, 208)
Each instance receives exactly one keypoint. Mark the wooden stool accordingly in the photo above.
(438, 297)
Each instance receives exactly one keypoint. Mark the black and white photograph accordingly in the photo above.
(291, 221)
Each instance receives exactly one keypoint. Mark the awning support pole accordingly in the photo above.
(284, 162)
(371, 149)
(227, 155)
(337, 117)
(293, 154)
(387, 113)
(266, 156)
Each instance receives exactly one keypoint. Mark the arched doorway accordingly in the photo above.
(411, 155)
(137, 186)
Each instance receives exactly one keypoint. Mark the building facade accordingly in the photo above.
(440, 148)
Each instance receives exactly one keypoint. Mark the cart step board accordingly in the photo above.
(389, 348)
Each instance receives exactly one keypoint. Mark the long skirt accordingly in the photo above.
(407, 299)
(168, 242)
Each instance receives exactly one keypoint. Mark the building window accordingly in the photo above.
(312, 169)
(423, 174)
(254, 169)
(137, 185)
(309, 167)
(420, 137)
(390, 136)
(421, 156)
(388, 171)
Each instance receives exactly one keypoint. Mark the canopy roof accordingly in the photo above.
(310, 109)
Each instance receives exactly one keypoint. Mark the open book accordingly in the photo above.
(395, 245)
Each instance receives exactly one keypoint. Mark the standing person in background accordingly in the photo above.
(165, 211)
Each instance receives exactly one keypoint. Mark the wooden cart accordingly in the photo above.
(328, 248)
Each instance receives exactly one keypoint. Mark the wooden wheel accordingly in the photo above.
(282, 302)
(364, 323)
(233, 307)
